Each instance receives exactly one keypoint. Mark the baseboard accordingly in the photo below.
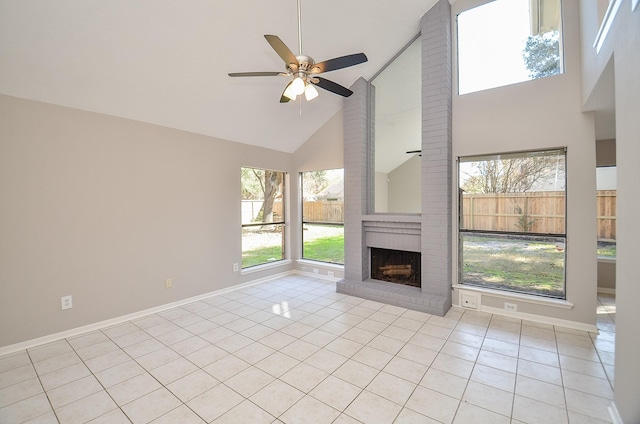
(5, 350)
(606, 291)
(591, 328)
(614, 414)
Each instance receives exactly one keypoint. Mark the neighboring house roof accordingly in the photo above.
(334, 192)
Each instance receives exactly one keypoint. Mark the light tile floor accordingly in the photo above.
(294, 351)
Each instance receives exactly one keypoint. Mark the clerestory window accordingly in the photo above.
(504, 42)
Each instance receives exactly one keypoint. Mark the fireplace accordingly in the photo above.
(429, 231)
(396, 266)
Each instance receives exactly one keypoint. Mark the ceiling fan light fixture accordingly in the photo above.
(304, 69)
(310, 92)
(289, 92)
(297, 86)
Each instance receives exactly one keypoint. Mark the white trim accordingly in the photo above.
(329, 265)
(555, 303)
(264, 267)
(609, 15)
(614, 414)
(129, 317)
(542, 319)
(604, 290)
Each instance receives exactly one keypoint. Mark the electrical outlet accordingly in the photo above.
(315, 270)
(330, 274)
(235, 267)
(66, 302)
(469, 301)
(510, 306)
(168, 283)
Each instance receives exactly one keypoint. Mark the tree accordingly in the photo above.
(251, 187)
(510, 175)
(271, 187)
(315, 181)
(262, 184)
(541, 54)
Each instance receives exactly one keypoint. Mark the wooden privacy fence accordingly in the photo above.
(318, 211)
(536, 212)
(323, 211)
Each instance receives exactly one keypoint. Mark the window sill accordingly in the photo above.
(264, 267)
(320, 263)
(555, 303)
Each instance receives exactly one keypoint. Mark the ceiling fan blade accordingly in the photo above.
(332, 86)
(339, 63)
(256, 74)
(283, 51)
(283, 98)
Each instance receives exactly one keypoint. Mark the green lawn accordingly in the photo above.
(323, 243)
(326, 249)
(261, 245)
(523, 265)
(260, 256)
(607, 249)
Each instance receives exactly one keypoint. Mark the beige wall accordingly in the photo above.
(620, 50)
(404, 187)
(606, 152)
(543, 113)
(606, 275)
(105, 209)
(323, 150)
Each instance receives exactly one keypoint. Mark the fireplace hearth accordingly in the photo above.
(396, 266)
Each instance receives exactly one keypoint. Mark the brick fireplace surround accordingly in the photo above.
(429, 232)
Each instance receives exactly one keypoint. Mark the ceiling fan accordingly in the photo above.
(304, 70)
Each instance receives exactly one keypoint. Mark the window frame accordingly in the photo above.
(610, 242)
(281, 222)
(561, 238)
(304, 222)
(510, 81)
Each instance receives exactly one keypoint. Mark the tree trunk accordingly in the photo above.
(271, 183)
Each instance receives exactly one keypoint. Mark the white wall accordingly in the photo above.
(538, 114)
(105, 209)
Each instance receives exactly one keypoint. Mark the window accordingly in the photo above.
(262, 216)
(323, 216)
(606, 185)
(508, 41)
(512, 222)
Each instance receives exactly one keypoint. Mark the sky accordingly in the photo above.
(491, 38)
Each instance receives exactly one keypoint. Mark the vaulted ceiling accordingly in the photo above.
(165, 62)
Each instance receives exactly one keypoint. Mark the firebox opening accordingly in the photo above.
(396, 266)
